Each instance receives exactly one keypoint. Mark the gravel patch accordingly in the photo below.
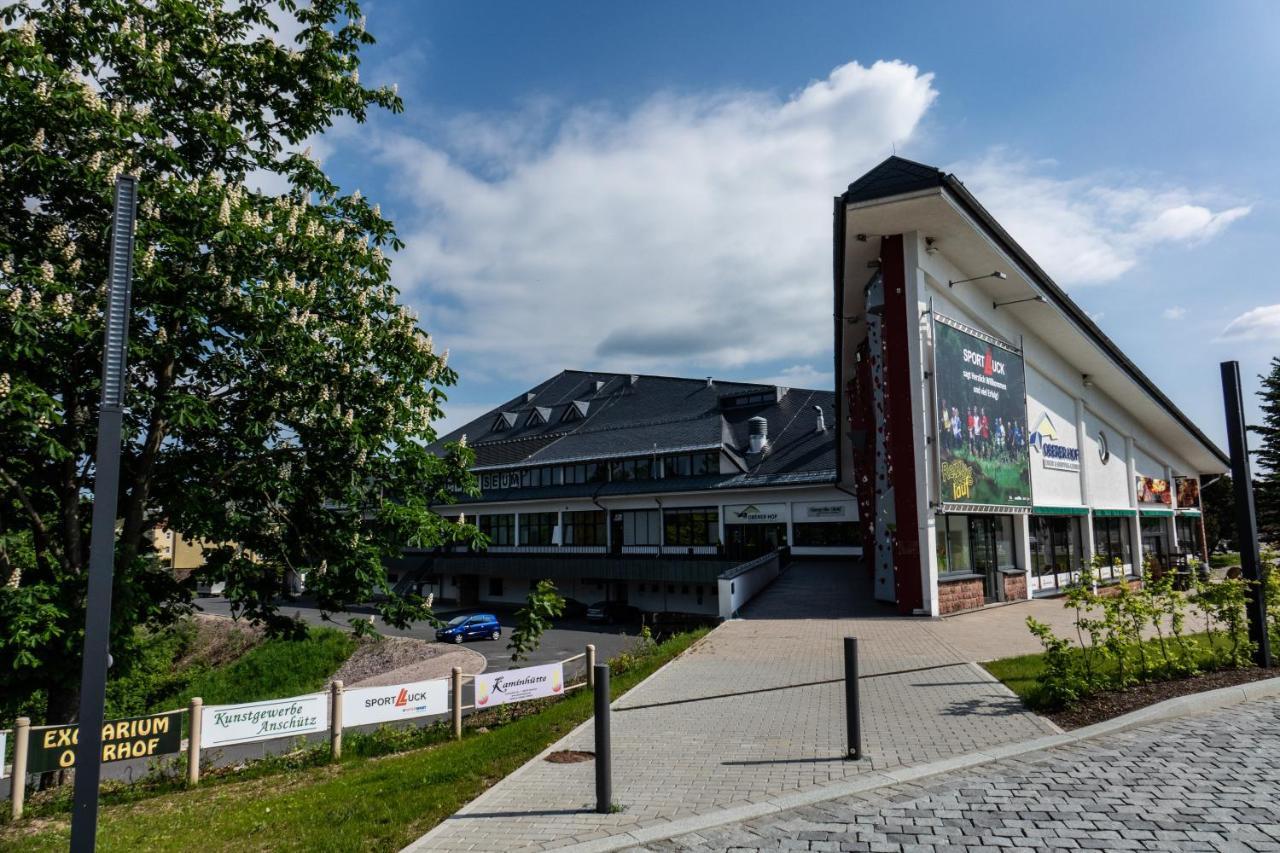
(398, 660)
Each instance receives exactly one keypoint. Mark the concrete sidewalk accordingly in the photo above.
(756, 710)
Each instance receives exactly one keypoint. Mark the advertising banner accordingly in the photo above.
(363, 706)
(517, 685)
(222, 725)
(1055, 454)
(54, 747)
(1188, 492)
(1152, 490)
(980, 392)
(824, 511)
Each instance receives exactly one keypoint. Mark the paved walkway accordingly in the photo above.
(1203, 783)
(756, 709)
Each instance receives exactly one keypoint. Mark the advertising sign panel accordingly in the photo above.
(980, 390)
(824, 511)
(3, 735)
(1152, 490)
(1054, 453)
(365, 705)
(227, 724)
(517, 685)
(1188, 492)
(755, 514)
(54, 747)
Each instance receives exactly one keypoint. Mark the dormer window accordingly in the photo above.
(539, 415)
(576, 411)
(504, 421)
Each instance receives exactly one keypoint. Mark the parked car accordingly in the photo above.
(476, 626)
(574, 609)
(612, 611)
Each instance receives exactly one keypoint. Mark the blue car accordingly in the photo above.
(477, 626)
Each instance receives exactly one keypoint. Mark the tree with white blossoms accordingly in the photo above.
(279, 397)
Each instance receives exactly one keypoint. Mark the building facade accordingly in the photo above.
(642, 489)
(998, 441)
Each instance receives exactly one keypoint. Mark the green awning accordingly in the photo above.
(1114, 513)
(1157, 513)
(1060, 510)
(1193, 513)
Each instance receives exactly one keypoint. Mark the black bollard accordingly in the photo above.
(852, 713)
(604, 764)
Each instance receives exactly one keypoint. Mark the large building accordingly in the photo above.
(644, 489)
(998, 440)
(987, 442)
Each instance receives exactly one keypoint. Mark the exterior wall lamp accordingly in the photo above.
(1036, 298)
(996, 274)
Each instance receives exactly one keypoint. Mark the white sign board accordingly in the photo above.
(362, 706)
(755, 514)
(517, 685)
(824, 511)
(222, 725)
(3, 735)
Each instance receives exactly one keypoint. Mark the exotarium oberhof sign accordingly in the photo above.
(54, 747)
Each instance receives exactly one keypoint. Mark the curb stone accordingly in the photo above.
(1181, 706)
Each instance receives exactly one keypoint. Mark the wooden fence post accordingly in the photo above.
(18, 784)
(193, 741)
(335, 720)
(457, 703)
(591, 665)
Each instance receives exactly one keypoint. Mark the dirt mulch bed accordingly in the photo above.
(1104, 706)
(570, 756)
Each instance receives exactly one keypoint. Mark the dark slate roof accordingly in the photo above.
(643, 415)
(898, 176)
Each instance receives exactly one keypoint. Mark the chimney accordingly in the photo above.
(758, 429)
(822, 421)
(710, 383)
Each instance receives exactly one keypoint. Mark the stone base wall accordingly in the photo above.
(957, 595)
(1015, 587)
(1108, 590)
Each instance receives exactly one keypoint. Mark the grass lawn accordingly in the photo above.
(359, 804)
(1020, 673)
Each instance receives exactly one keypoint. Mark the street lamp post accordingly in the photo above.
(97, 620)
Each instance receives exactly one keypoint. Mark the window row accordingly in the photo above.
(618, 471)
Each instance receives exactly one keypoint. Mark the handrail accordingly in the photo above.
(730, 574)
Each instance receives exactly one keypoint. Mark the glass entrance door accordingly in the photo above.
(982, 545)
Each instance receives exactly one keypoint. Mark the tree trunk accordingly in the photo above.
(62, 706)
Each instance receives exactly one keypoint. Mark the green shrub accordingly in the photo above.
(1061, 682)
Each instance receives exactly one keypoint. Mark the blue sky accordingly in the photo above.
(647, 187)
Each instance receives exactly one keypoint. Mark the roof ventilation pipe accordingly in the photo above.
(822, 419)
(759, 431)
(710, 382)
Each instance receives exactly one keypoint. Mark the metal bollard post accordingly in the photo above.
(18, 783)
(604, 764)
(335, 721)
(193, 742)
(457, 703)
(852, 713)
(591, 665)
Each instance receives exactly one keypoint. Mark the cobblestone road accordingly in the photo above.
(756, 710)
(1203, 783)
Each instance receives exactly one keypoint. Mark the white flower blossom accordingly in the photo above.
(14, 300)
(38, 142)
(224, 212)
(62, 305)
(5, 385)
(27, 34)
(46, 273)
(355, 76)
(147, 259)
(356, 196)
(6, 266)
(74, 267)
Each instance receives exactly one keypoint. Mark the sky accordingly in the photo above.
(647, 187)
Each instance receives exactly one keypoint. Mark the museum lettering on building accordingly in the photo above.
(987, 440)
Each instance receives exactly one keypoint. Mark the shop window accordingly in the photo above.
(1111, 543)
(1189, 541)
(1057, 551)
(833, 534)
(695, 526)
(537, 528)
(584, 528)
(495, 587)
(500, 529)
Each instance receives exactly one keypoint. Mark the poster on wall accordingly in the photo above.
(980, 394)
(517, 685)
(1154, 491)
(1188, 492)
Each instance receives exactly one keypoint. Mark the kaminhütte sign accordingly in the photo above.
(980, 393)
(227, 724)
(54, 747)
(517, 685)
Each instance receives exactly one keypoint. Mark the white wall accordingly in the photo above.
(1108, 482)
(1052, 486)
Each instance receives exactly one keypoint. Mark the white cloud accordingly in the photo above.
(799, 376)
(1092, 229)
(1258, 324)
(691, 230)
(1174, 312)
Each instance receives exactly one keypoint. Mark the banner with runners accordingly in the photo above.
(517, 685)
(222, 725)
(362, 706)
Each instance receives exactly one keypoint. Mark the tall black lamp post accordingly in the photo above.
(1246, 514)
(97, 621)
